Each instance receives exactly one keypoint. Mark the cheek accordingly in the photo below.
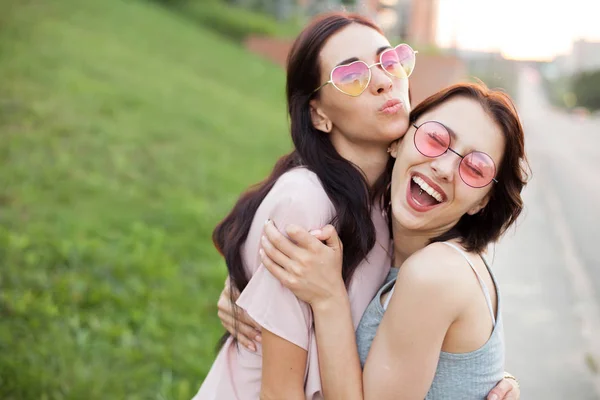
(338, 102)
(400, 174)
(401, 90)
(349, 113)
(407, 155)
(466, 197)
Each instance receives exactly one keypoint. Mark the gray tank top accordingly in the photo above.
(465, 376)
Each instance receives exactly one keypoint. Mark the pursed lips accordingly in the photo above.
(391, 106)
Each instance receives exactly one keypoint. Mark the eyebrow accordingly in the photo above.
(352, 59)
(381, 49)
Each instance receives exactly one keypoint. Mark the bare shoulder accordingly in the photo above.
(437, 267)
(436, 258)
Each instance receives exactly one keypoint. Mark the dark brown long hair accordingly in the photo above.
(342, 181)
(505, 204)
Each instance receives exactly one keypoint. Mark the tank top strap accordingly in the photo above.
(484, 287)
(387, 301)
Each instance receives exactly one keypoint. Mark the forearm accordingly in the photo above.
(341, 374)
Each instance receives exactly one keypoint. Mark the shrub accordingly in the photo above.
(586, 86)
(233, 22)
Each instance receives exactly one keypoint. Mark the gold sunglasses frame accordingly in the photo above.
(330, 81)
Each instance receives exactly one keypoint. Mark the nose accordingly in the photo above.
(381, 82)
(445, 166)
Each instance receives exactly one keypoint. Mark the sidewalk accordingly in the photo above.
(551, 317)
(545, 349)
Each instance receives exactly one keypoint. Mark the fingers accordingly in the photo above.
(230, 291)
(247, 329)
(502, 391)
(302, 237)
(324, 233)
(247, 320)
(330, 237)
(287, 279)
(274, 254)
(245, 334)
(244, 319)
(283, 244)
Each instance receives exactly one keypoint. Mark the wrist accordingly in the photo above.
(334, 303)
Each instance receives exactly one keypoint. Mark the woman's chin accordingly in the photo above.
(406, 220)
(396, 131)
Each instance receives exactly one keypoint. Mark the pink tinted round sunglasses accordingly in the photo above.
(476, 169)
(352, 79)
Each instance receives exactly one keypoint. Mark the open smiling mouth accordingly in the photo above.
(421, 196)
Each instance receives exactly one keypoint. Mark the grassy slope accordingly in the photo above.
(126, 133)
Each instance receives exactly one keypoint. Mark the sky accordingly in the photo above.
(519, 29)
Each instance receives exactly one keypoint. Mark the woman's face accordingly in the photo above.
(413, 208)
(364, 120)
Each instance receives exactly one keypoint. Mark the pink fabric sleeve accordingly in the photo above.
(265, 299)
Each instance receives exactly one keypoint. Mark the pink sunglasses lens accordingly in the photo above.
(351, 79)
(477, 169)
(432, 139)
(399, 61)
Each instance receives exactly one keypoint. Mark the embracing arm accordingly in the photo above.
(341, 374)
(339, 365)
(405, 352)
(404, 355)
(236, 320)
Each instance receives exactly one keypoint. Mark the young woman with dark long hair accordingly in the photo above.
(347, 94)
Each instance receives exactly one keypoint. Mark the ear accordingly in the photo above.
(479, 206)
(393, 149)
(319, 119)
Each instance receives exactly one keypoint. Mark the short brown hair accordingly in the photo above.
(505, 204)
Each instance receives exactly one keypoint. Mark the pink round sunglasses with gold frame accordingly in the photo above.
(352, 79)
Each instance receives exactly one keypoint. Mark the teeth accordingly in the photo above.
(431, 191)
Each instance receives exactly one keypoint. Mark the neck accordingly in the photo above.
(408, 241)
(371, 159)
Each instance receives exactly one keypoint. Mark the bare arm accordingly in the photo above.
(283, 369)
(341, 375)
(405, 353)
(395, 364)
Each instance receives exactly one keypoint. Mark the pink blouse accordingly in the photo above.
(297, 197)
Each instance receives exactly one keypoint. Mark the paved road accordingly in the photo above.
(549, 268)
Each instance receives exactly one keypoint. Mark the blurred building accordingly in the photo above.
(413, 21)
(584, 56)
(422, 27)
